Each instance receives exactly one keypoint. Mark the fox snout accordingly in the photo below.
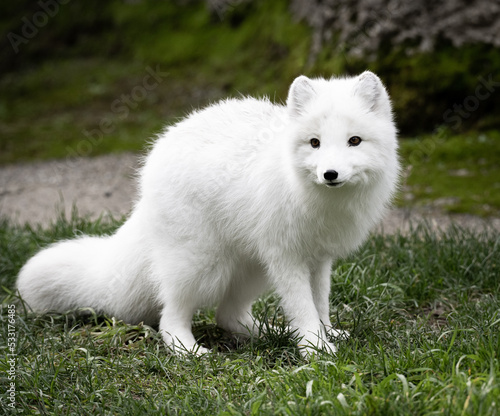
(331, 178)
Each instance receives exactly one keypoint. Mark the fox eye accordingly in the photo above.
(354, 141)
(315, 143)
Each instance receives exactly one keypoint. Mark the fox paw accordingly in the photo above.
(309, 348)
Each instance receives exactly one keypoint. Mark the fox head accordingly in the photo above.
(343, 131)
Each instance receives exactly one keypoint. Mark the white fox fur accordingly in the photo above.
(234, 201)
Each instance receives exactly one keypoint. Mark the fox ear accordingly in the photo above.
(370, 89)
(300, 93)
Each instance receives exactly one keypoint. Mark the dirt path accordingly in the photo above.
(35, 192)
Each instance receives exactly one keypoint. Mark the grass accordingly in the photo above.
(456, 173)
(47, 106)
(423, 310)
(54, 118)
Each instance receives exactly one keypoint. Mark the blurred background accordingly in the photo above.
(85, 78)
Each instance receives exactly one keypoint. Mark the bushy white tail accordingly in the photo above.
(68, 275)
(96, 272)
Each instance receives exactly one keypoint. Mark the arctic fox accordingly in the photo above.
(238, 198)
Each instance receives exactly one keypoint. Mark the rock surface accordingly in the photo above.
(363, 26)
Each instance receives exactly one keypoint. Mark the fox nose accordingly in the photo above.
(330, 175)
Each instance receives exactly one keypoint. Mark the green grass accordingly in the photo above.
(459, 173)
(423, 311)
(46, 107)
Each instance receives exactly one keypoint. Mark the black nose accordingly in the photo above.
(330, 175)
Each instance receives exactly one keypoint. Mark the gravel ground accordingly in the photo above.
(35, 192)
